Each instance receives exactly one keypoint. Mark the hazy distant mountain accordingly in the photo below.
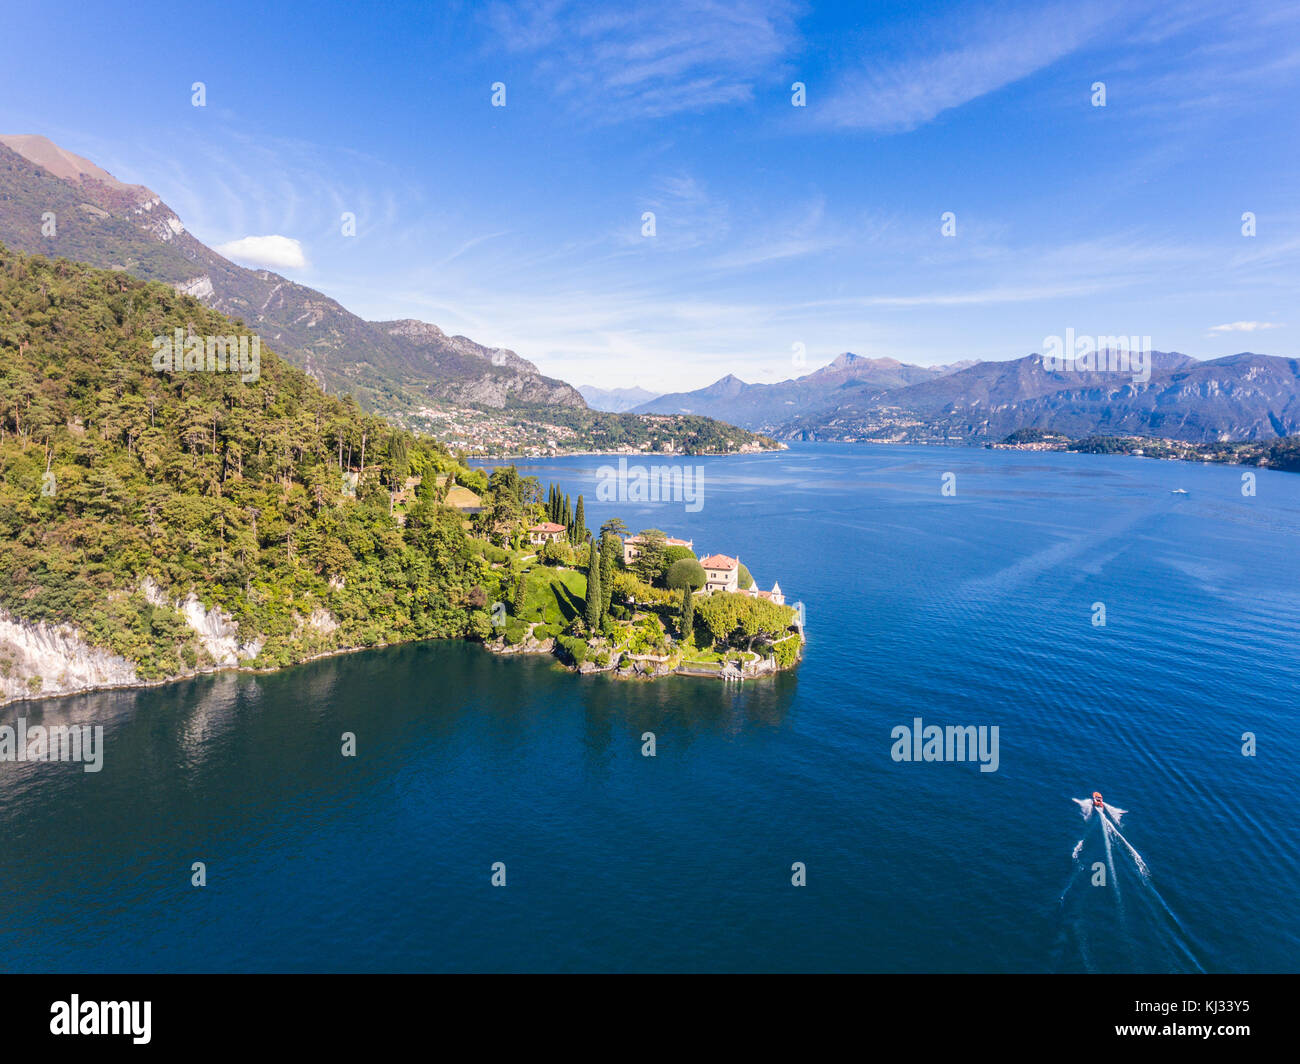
(389, 366)
(758, 405)
(1240, 397)
(616, 400)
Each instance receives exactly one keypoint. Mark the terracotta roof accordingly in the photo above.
(546, 526)
(719, 561)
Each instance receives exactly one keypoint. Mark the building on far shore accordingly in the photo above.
(546, 532)
(632, 546)
(721, 573)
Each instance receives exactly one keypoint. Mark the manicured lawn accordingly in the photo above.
(554, 596)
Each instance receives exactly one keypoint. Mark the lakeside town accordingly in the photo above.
(480, 433)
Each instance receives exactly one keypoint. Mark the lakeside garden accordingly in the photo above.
(577, 595)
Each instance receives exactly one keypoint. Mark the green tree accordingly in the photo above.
(521, 593)
(685, 573)
(688, 614)
(504, 481)
(611, 548)
(398, 460)
(556, 552)
(649, 561)
(614, 527)
(578, 530)
(595, 599)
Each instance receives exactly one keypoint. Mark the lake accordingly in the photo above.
(976, 608)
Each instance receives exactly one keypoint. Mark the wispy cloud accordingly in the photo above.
(649, 59)
(892, 92)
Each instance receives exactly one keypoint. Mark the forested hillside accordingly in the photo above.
(123, 488)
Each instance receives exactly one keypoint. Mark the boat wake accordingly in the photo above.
(1113, 829)
(1105, 927)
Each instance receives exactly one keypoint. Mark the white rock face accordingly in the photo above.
(198, 287)
(153, 594)
(64, 662)
(218, 632)
(215, 628)
(322, 620)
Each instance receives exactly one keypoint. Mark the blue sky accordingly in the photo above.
(775, 225)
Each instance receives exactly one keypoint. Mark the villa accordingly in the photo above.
(546, 532)
(720, 573)
(632, 546)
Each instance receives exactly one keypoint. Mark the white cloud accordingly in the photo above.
(1244, 326)
(277, 252)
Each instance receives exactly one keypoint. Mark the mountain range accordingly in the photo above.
(731, 399)
(53, 202)
(1241, 397)
(616, 400)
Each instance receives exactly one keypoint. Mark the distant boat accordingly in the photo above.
(1177, 491)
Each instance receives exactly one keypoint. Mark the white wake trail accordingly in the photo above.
(1137, 857)
(1110, 860)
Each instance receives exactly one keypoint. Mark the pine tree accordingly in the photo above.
(594, 597)
(688, 613)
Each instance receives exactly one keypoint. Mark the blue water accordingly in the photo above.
(975, 609)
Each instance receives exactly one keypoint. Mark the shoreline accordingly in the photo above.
(988, 445)
(546, 648)
(501, 651)
(140, 685)
(1227, 458)
(621, 454)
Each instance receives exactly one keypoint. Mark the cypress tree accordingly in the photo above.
(594, 597)
(688, 613)
(609, 546)
(579, 524)
(518, 604)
